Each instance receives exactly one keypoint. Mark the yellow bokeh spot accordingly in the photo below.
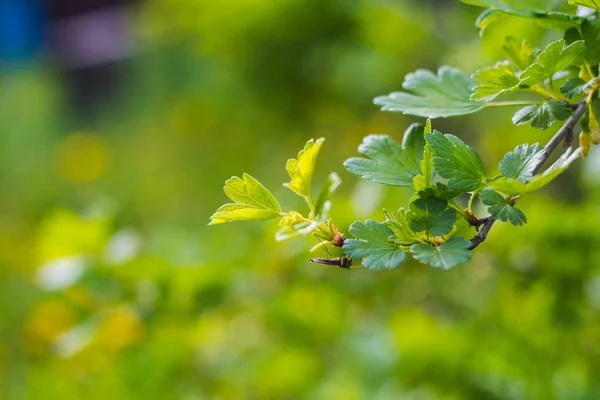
(121, 329)
(82, 157)
(45, 322)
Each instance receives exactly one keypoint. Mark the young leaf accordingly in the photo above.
(456, 161)
(542, 116)
(520, 54)
(448, 254)
(293, 224)
(323, 204)
(301, 169)
(430, 96)
(494, 81)
(398, 223)
(431, 215)
(553, 59)
(574, 87)
(387, 162)
(373, 244)
(502, 209)
(252, 202)
(595, 4)
(514, 186)
(520, 163)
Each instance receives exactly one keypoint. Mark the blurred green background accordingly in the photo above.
(112, 286)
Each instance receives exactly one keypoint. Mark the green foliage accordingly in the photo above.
(374, 245)
(542, 116)
(520, 163)
(252, 202)
(301, 169)
(517, 187)
(430, 96)
(586, 3)
(575, 87)
(494, 81)
(440, 167)
(502, 208)
(387, 162)
(447, 255)
(554, 58)
(519, 53)
(431, 215)
(456, 161)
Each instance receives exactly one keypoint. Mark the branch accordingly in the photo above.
(564, 134)
(487, 223)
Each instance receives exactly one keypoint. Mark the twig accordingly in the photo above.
(487, 223)
(564, 133)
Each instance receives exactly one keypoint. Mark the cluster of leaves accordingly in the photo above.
(441, 168)
(252, 201)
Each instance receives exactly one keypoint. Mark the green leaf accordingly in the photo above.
(323, 204)
(519, 53)
(520, 163)
(502, 209)
(374, 246)
(387, 162)
(516, 187)
(252, 202)
(431, 215)
(575, 87)
(301, 169)
(293, 225)
(554, 58)
(544, 115)
(450, 253)
(423, 180)
(538, 10)
(430, 96)
(456, 161)
(595, 4)
(523, 8)
(494, 81)
(398, 223)
(590, 33)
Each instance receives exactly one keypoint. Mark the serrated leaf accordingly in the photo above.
(386, 161)
(590, 33)
(516, 187)
(523, 8)
(494, 81)
(403, 234)
(450, 253)
(541, 11)
(595, 4)
(519, 53)
(301, 169)
(520, 163)
(456, 161)
(544, 115)
(252, 202)
(574, 87)
(294, 224)
(431, 215)
(555, 57)
(433, 96)
(501, 209)
(374, 246)
(323, 204)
